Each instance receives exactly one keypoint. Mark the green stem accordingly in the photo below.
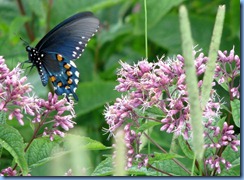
(145, 9)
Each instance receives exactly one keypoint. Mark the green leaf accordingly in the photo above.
(15, 27)
(159, 157)
(155, 111)
(42, 150)
(135, 171)
(93, 95)
(12, 141)
(82, 143)
(156, 11)
(2, 117)
(114, 32)
(171, 167)
(147, 125)
(234, 171)
(235, 106)
(187, 151)
(105, 168)
(168, 36)
(234, 24)
(234, 158)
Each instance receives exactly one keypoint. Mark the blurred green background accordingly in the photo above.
(121, 37)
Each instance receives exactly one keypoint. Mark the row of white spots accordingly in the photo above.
(76, 73)
(78, 47)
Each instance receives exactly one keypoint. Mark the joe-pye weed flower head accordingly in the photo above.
(161, 85)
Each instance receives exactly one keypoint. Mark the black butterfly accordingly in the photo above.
(54, 54)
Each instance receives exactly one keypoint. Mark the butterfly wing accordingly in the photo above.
(70, 37)
(66, 78)
(60, 46)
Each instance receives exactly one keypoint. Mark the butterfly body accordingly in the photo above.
(53, 56)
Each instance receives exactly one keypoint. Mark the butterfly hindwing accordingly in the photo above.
(64, 76)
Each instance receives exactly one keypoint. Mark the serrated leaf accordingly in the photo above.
(147, 125)
(12, 141)
(171, 167)
(42, 150)
(105, 168)
(2, 117)
(235, 106)
(186, 150)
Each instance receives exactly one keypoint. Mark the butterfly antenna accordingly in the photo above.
(25, 42)
(27, 61)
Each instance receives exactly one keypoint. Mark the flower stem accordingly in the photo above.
(36, 131)
(163, 150)
(145, 10)
(159, 170)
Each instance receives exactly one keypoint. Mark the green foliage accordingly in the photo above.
(105, 168)
(235, 105)
(12, 141)
(185, 148)
(42, 150)
(147, 125)
(121, 37)
(94, 94)
(234, 159)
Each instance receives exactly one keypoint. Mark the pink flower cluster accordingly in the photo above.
(227, 69)
(8, 172)
(215, 161)
(16, 101)
(14, 93)
(162, 85)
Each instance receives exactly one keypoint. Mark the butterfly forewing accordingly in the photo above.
(70, 37)
(54, 53)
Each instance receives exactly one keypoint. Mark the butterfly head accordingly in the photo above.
(33, 54)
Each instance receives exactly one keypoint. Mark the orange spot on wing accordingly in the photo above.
(59, 57)
(67, 66)
(69, 81)
(53, 78)
(69, 73)
(60, 84)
